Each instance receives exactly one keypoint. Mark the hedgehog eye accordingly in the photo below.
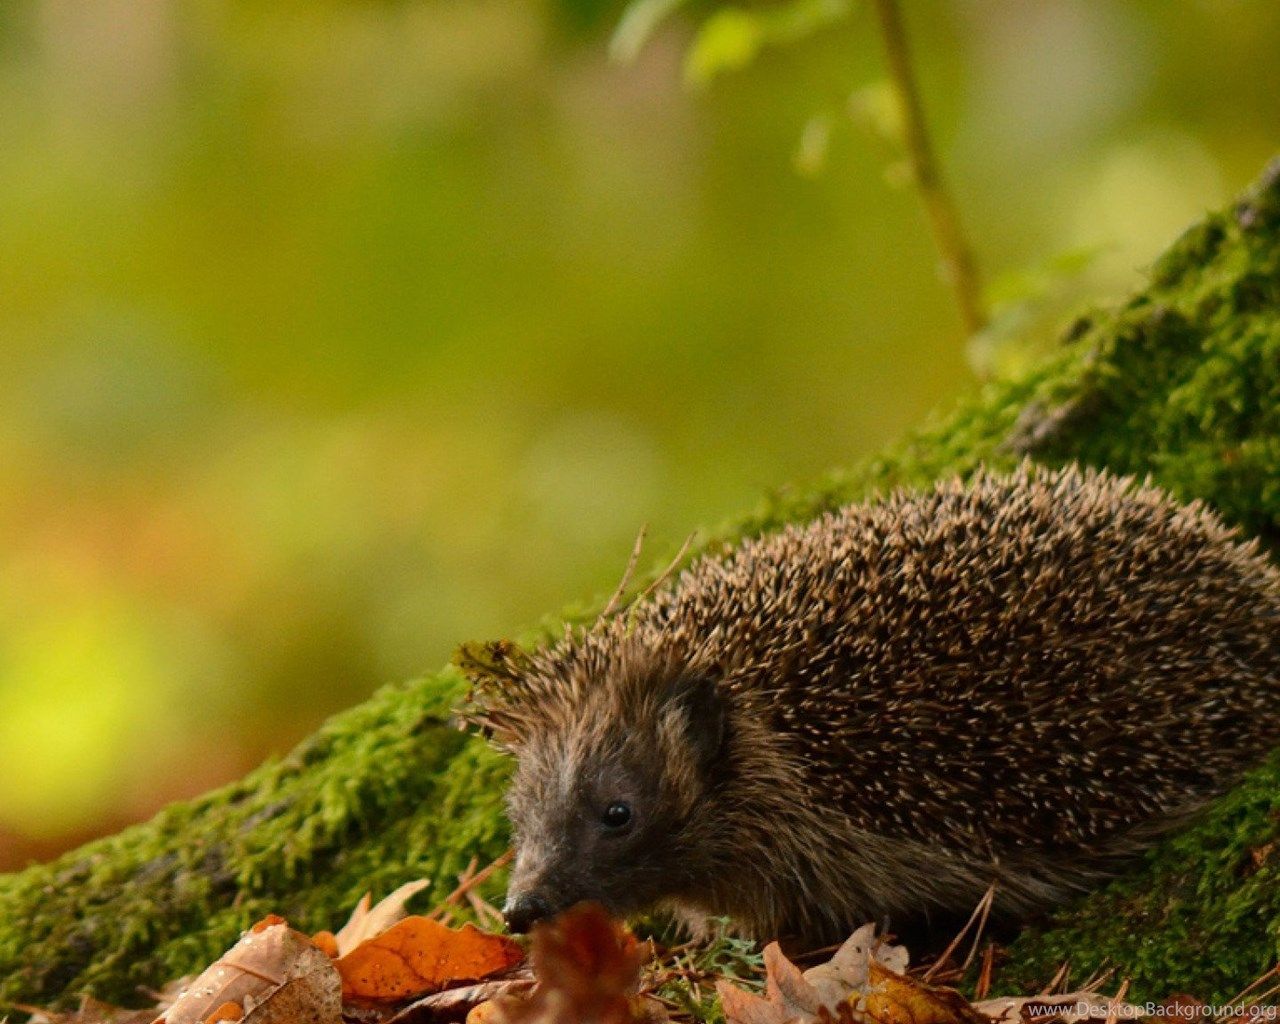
(616, 815)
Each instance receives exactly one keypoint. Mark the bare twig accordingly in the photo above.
(983, 988)
(485, 911)
(953, 245)
(1113, 1007)
(984, 906)
(1098, 978)
(1058, 981)
(467, 881)
(616, 600)
(1266, 994)
(671, 567)
(979, 917)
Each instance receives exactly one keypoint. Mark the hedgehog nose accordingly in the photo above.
(525, 910)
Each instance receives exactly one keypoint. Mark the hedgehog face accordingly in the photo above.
(601, 803)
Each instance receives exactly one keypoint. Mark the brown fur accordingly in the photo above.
(1023, 680)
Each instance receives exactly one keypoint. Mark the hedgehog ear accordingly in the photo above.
(704, 715)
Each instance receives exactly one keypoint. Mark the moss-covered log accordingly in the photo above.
(1182, 382)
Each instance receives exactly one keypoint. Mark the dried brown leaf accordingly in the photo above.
(864, 981)
(786, 986)
(849, 969)
(274, 974)
(456, 1003)
(90, 1011)
(743, 1007)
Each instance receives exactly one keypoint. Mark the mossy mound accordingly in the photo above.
(1182, 383)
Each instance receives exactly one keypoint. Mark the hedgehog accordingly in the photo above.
(1016, 683)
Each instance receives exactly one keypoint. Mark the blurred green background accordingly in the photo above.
(334, 333)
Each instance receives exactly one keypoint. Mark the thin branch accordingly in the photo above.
(948, 235)
(485, 911)
(1058, 981)
(616, 600)
(1113, 1005)
(1257, 1000)
(662, 577)
(983, 988)
(978, 917)
(467, 881)
(985, 907)
(1098, 978)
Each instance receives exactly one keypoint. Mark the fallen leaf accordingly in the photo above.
(490, 1012)
(742, 1007)
(897, 999)
(296, 1002)
(274, 974)
(786, 987)
(1074, 1006)
(455, 1004)
(327, 943)
(864, 980)
(417, 956)
(587, 968)
(849, 969)
(366, 923)
(90, 1011)
(822, 992)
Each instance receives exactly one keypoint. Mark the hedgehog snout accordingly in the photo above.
(533, 892)
(523, 910)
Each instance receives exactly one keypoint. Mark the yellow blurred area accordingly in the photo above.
(335, 333)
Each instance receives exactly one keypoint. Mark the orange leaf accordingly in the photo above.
(227, 1011)
(588, 970)
(418, 956)
(328, 942)
(368, 921)
(897, 999)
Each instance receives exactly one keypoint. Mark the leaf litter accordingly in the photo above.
(386, 966)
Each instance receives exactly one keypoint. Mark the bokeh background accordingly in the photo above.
(334, 332)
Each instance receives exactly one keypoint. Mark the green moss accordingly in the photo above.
(389, 791)
(1182, 382)
(1201, 916)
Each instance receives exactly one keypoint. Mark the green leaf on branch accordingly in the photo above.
(728, 41)
(733, 37)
